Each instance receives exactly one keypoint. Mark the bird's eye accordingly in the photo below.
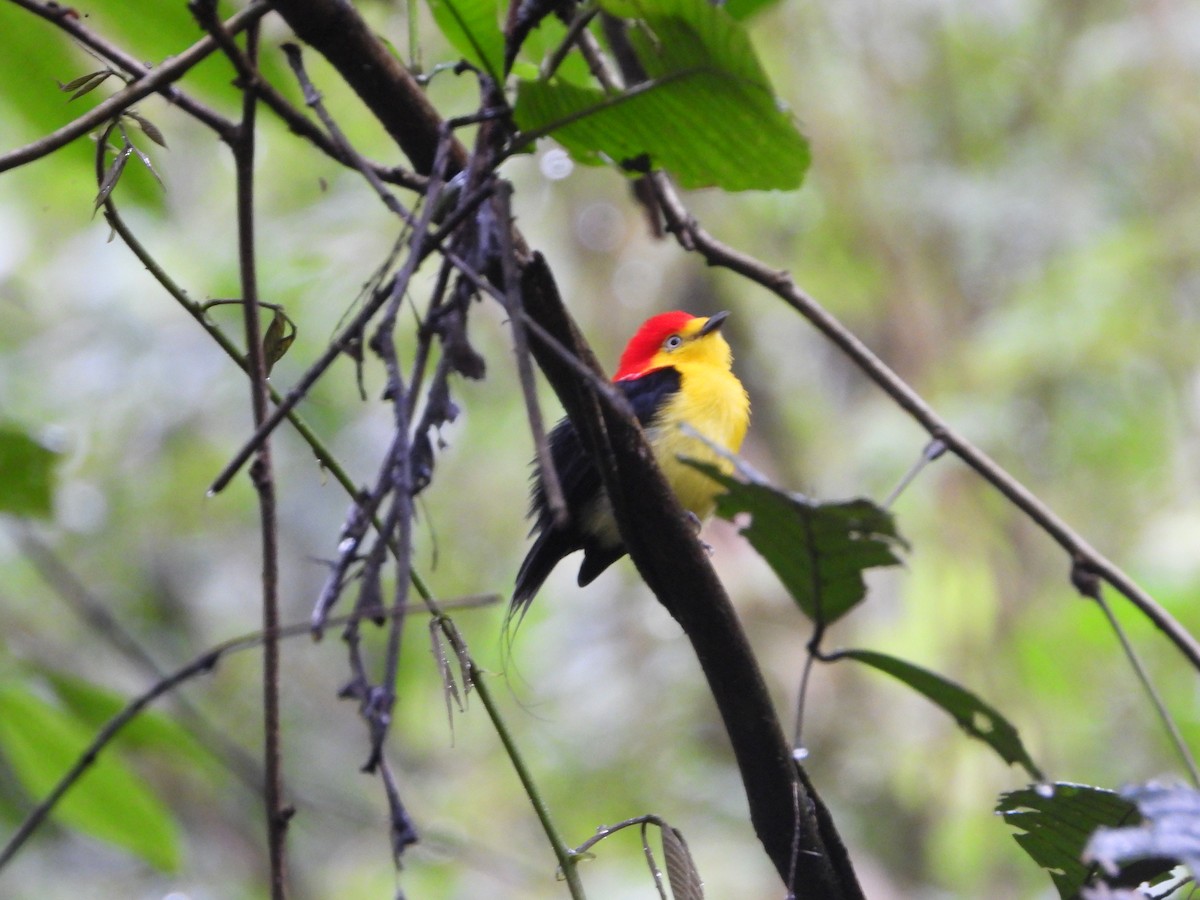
(672, 342)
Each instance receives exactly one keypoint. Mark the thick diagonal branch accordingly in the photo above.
(336, 30)
(799, 837)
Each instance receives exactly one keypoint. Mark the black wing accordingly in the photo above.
(580, 481)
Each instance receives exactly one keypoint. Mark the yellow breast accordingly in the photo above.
(713, 402)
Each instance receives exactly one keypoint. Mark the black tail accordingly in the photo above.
(551, 546)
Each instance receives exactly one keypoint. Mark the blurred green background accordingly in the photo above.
(1003, 203)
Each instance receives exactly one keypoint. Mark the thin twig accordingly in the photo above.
(567, 857)
(154, 81)
(200, 665)
(313, 98)
(611, 398)
(65, 19)
(933, 450)
(261, 473)
(691, 236)
(583, 18)
(348, 336)
(1088, 585)
(95, 613)
(512, 302)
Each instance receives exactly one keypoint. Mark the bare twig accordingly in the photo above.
(512, 303)
(693, 237)
(261, 473)
(95, 612)
(1088, 586)
(200, 665)
(155, 80)
(346, 339)
(66, 20)
(313, 98)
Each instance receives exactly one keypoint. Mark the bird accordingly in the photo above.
(676, 370)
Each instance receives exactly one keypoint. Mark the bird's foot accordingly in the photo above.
(694, 521)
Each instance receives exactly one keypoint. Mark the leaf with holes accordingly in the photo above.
(707, 112)
(1054, 822)
(976, 718)
(819, 550)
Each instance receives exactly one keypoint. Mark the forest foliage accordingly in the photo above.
(994, 201)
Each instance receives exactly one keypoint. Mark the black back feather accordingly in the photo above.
(581, 486)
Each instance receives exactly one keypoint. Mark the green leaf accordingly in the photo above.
(1054, 822)
(707, 114)
(40, 743)
(744, 9)
(93, 706)
(1170, 832)
(473, 29)
(543, 41)
(976, 718)
(818, 550)
(26, 474)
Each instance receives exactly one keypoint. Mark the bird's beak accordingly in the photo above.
(714, 323)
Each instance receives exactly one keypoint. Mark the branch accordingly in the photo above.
(201, 665)
(67, 20)
(262, 472)
(154, 81)
(798, 836)
(692, 237)
(389, 90)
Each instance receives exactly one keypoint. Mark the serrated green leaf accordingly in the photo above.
(40, 743)
(26, 474)
(976, 718)
(707, 114)
(473, 29)
(818, 550)
(1054, 822)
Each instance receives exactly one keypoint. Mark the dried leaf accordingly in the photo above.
(278, 339)
(148, 128)
(146, 162)
(85, 83)
(682, 874)
(112, 176)
(449, 686)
